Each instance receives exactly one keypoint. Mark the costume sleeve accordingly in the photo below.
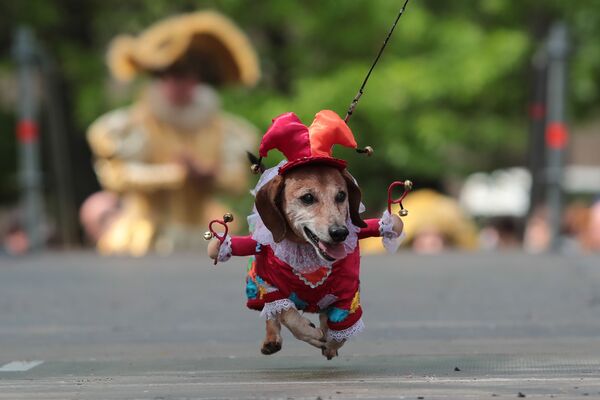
(383, 227)
(237, 246)
(243, 246)
(372, 229)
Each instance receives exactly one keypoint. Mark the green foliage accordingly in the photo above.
(449, 96)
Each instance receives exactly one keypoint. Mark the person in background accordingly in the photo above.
(575, 227)
(171, 152)
(537, 236)
(593, 227)
(97, 213)
(13, 237)
(435, 223)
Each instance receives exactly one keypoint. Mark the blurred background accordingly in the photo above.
(491, 108)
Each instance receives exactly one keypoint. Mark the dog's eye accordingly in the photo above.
(307, 199)
(340, 197)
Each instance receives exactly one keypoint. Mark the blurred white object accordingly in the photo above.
(582, 179)
(503, 192)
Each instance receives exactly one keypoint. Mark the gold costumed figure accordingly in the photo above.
(169, 153)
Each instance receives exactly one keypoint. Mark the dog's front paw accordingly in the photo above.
(330, 349)
(329, 352)
(269, 348)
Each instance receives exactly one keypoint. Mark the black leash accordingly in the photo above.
(361, 90)
(256, 162)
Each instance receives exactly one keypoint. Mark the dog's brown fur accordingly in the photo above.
(285, 214)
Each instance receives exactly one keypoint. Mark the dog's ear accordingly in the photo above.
(268, 205)
(354, 196)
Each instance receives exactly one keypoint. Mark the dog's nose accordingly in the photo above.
(338, 233)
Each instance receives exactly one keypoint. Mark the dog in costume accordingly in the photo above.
(305, 233)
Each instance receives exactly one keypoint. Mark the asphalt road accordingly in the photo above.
(448, 326)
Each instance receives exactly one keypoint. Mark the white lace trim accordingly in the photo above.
(347, 333)
(302, 257)
(391, 240)
(270, 310)
(311, 284)
(225, 250)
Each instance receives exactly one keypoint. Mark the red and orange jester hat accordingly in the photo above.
(302, 144)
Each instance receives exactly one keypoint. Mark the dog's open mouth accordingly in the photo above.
(329, 251)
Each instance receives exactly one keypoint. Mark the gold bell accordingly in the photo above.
(403, 212)
(228, 217)
(368, 150)
(207, 235)
(255, 168)
(408, 185)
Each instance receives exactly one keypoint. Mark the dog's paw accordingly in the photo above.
(329, 352)
(330, 349)
(269, 348)
(316, 339)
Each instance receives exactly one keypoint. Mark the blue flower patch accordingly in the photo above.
(337, 314)
(251, 289)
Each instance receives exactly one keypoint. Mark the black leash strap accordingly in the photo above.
(361, 90)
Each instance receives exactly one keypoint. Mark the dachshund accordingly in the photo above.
(314, 207)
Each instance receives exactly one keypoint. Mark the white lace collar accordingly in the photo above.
(302, 257)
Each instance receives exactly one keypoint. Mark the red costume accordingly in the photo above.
(329, 287)
(282, 274)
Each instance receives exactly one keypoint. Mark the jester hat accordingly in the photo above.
(303, 144)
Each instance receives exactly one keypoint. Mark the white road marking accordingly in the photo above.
(20, 366)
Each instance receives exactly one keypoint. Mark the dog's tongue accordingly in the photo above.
(333, 250)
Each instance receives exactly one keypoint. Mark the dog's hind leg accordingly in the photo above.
(331, 348)
(302, 328)
(272, 343)
(323, 323)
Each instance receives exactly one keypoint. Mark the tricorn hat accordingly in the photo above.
(209, 35)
